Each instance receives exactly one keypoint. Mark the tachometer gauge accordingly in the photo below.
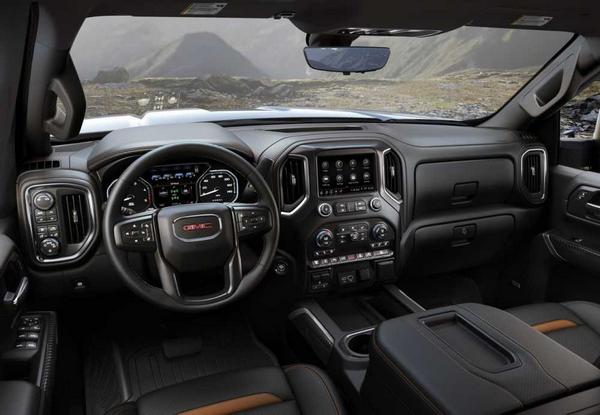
(137, 199)
(218, 186)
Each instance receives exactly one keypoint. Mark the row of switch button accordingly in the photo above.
(28, 333)
(47, 231)
(351, 206)
(344, 259)
(45, 216)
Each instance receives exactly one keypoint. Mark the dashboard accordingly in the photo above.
(176, 184)
(358, 207)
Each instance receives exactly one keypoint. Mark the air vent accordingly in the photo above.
(41, 165)
(392, 174)
(293, 183)
(533, 174)
(76, 216)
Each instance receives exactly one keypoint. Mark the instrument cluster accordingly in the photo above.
(176, 184)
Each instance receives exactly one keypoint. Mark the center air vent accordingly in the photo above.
(392, 174)
(76, 217)
(294, 186)
(533, 175)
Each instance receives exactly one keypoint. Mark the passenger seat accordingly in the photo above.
(575, 325)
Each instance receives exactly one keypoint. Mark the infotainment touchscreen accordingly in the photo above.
(346, 174)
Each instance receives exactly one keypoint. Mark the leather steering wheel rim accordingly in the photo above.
(112, 217)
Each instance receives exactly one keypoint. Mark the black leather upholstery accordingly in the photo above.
(19, 398)
(467, 359)
(302, 389)
(583, 339)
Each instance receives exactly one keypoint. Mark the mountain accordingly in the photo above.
(198, 54)
(148, 46)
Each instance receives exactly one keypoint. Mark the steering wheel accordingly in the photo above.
(191, 238)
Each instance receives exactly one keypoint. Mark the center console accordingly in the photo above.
(348, 215)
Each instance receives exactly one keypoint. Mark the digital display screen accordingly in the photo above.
(175, 184)
(346, 174)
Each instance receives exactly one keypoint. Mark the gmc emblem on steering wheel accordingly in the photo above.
(197, 227)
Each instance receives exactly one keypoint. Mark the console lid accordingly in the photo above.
(468, 358)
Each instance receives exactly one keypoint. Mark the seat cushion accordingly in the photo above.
(297, 389)
(575, 325)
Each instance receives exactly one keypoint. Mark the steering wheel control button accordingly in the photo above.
(49, 247)
(43, 200)
(250, 221)
(376, 204)
(138, 234)
(325, 210)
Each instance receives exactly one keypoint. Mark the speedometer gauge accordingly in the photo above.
(137, 199)
(218, 186)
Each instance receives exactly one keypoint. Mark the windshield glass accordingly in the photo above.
(132, 65)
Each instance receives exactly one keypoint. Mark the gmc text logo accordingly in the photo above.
(197, 226)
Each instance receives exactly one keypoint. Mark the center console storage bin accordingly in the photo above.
(467, 359)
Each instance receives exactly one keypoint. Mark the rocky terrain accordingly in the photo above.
(578, 116)
(463, 95)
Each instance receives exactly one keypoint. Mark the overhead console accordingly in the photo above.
(344, 204)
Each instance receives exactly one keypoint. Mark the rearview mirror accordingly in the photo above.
(346, 59)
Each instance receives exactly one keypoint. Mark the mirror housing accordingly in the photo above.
(347, 59)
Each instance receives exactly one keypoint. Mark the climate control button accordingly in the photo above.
(380, 231)
(324, 238)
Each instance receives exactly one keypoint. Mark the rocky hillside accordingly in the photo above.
(182, 58)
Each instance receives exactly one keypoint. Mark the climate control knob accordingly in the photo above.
(43, 200)
(49, 247)
(324, 238)
(380, 231)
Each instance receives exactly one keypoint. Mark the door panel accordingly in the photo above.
(573, 238)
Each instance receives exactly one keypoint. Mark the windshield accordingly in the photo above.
(132, 65)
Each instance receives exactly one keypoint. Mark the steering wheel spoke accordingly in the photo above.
(251, 219)
(136, 233)
(167, 276)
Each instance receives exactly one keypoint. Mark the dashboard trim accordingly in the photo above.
(85, 245)
(306, 180)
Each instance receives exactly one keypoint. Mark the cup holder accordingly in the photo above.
(358, 343)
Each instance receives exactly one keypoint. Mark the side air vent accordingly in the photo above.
(76, 216)
(294, 184)
(392, 174)
(534, 175)
(41, 165)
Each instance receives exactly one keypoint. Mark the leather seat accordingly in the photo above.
(575, 325)
(297, 389)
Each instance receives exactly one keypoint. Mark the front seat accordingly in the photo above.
(575, 325)
(297, 389)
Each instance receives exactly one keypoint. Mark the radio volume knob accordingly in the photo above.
(380, 231)
(49, 247)
(325, 210)
(43, 200)
(324, 238)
